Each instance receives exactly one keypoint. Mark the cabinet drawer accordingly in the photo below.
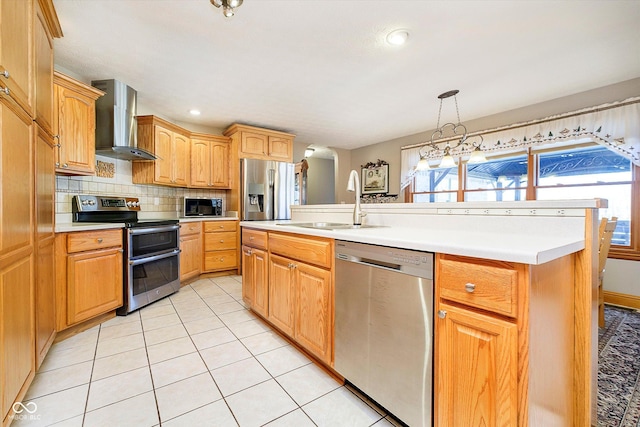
(91, 240)
(254, 238)
(213, 226)
(187, 228)
(220, 260)
(218, 241)
(486, 285)
(313, 251)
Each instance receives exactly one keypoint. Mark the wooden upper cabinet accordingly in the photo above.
(171, 146)
(75, 125)
(220, 164)
(46, 27)
(209, 161)
(259, 143)
(254, 144)
(280, 148)
(16, 52)
(181, 160)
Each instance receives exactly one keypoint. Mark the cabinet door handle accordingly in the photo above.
(442, 314)
(470, 287)
(292, 265)
(5, 74)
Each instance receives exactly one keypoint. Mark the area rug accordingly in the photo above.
(619, 368)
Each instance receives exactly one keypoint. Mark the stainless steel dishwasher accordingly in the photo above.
(384, 327)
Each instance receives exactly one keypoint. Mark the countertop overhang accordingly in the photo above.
(528, 232)
(522, 248)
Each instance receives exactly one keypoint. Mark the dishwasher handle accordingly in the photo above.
(369, 261)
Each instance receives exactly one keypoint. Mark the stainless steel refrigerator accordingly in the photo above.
(267, 189)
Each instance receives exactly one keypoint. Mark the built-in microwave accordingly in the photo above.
(202, 207)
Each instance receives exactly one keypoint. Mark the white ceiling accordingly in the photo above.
(321, 69)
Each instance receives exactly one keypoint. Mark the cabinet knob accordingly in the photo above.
(221, 259)
(222, 226)
(99, 239)
(5, 90)
(5, 74)
(221, 241)
(470, 287)
(292, 265)
(65, 165)
(250, 237)
(442, 314)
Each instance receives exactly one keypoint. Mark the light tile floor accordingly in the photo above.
(197, 358)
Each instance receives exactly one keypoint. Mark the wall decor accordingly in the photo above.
(375, 177)
(105, 169)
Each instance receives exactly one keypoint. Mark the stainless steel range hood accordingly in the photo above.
(116, 124)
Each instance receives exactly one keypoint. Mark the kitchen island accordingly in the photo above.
(519, 348)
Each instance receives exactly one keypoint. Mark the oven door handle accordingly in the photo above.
(145, 230)
(154, 258)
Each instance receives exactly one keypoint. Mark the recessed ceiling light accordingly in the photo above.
(397, 37)
(194, 112)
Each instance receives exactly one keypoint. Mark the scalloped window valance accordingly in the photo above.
(615, 125)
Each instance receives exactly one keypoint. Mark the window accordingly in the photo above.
(502, 179)
(580, 172)
(436, 185)
(586, 173)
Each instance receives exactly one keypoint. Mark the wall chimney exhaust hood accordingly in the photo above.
(116, 123)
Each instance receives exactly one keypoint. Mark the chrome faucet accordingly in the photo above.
(354, 185)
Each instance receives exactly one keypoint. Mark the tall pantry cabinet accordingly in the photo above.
(26, 220)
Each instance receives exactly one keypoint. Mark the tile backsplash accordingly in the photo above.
(155, 200)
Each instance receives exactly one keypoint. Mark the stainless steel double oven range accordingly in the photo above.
(151, 267)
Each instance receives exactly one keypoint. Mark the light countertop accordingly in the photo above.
(70, 227)
(527, 248)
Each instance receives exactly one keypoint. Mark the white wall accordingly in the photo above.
(622, 276)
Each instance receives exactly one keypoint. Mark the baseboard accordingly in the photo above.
(625, 300)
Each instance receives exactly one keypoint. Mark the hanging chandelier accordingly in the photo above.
(228, 6)
(458, 137)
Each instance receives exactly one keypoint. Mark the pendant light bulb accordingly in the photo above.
(423, 164)
(447, 162)
(477, 156)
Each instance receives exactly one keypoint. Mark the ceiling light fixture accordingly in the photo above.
(397, 37)
(464, 144)
(194, 112)
(228, 6)
(309, 152)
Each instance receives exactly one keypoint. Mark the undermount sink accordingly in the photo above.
(330, 225)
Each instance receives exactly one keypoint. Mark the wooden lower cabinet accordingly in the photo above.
(89, 274)
(300, 304)
(314, 316)
(16, 333)
(477, 364)
(94, 284)
(301, 293)
(45, 298)
(256, 269)
(505, 351)
(190, 250)
(282, 294)
(220, 246)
